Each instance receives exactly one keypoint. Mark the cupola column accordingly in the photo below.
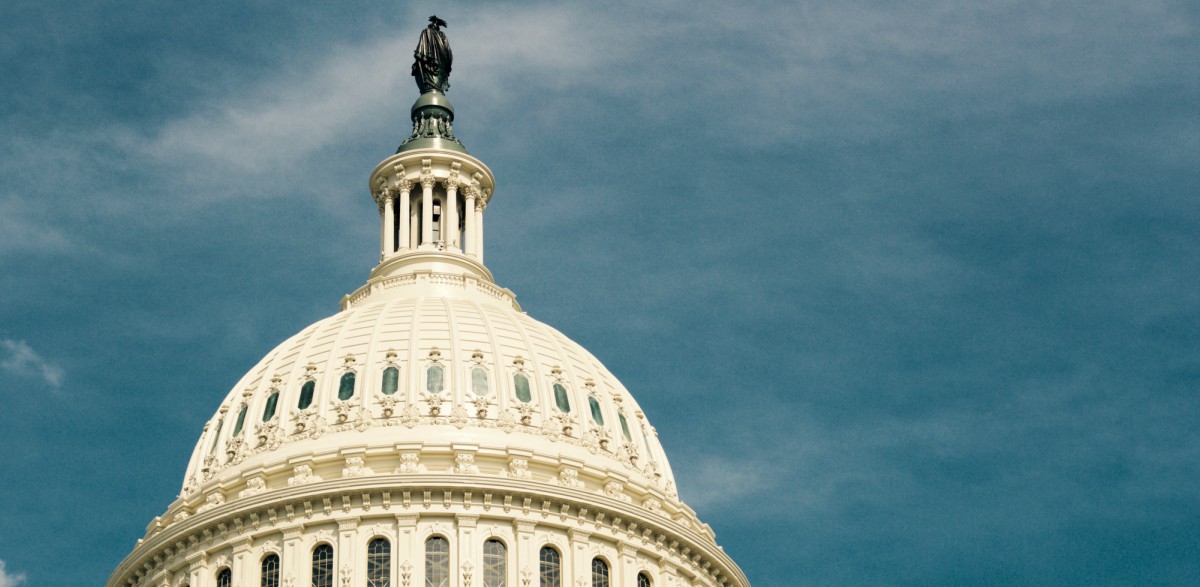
(426, 208)
(450, 234)
(469, 222)
(387, 243)
(405, 240)
(479, 206)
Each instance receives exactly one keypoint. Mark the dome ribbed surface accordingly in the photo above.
(411, 334)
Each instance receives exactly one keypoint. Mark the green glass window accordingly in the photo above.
(643, 580)
(521, 383)
(560, 397)
(391, 380)
(322, 566)
(237, 428)
(306, 394)
(599, 573)
(269, 411)
(550, 567)
(379, 563)
(225, 578)
(479, 384)
(346, 387)
(495, 564)
(433, 379)
(270, 571)
(596, 415)
(217, 436)
(437, 562)
(624, 427)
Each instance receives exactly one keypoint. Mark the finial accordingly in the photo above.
(432, 58)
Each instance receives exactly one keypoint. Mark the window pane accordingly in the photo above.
(495, 564)
(560, 398)
(643, 580)
(551, 568)
(437, 562)
(269, 411)
(346, 387)
(270, 571)
(624, 426)
(522, 385)
(217, 436)
(322, 566)
(306, 394)
(599, 573)
(433, 379)
(225, 578)
(391, 379)
(237, 428)
(479, 384)
(596, 415)
(379, 563)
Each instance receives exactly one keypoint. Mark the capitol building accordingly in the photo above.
(430, 433)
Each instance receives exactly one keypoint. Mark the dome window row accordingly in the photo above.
(437, 566)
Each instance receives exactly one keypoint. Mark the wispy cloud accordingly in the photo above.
(7, 580)
(20, 359)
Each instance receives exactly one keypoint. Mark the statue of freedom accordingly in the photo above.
(431, 67)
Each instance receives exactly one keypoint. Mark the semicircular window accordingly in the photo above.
(643, 580)
(272, 403)
(306, 394)
(391, 380)
(237, 428)
(346, 386)
(479, 383)
(433, 379)
(521, 383)
(624, 427)
(560, 397)
(596, 415)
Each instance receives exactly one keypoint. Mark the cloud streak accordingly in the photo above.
(10, 580)
(19, 359)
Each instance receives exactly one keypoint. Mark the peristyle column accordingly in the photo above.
(387, 243)
(469, 221)
(450, 234)
(405, 240)
(426, 208)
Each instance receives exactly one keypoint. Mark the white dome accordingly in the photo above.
(472, 334)
(430, 433)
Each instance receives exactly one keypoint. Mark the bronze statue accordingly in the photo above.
(431, 67)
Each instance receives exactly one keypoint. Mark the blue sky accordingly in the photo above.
(909, 289)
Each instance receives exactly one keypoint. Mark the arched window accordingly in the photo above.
(225, 577)
(391, 380)
(495, 564)
(322, 566)
(560, 397)
(437, 562)
(306, 394)
(550, 567)
(346, 387)
(521, 383)
(237, 427)
(479, 382)
(599, 573)
(433, 379)
(217, 436)
(272, 402)
(624, 427)
(379, 563)
(643, 580)
(596, 415)
(270, 571)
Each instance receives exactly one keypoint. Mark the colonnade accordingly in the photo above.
(409, 224)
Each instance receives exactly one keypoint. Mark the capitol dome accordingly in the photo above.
(430, 433)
